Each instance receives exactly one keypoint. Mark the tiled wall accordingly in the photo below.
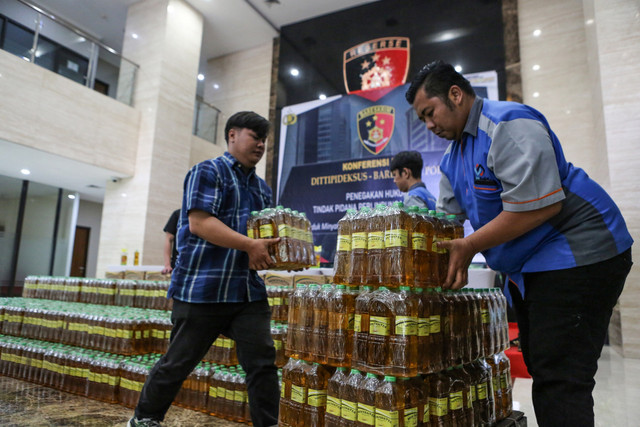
(588, 87)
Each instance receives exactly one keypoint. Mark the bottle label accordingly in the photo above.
(344, 243)
(282, 391)
(333, 405)
(396, 238)
(455, 400)
(438, 406)
(238, 396)
(379, 325)
(277, 301)
(213, 392)
(434, 324)
(406, 325)
(298, 394)
(434, 245)
(359, 241)
(349, 410)
(482, 391)
(424, 325)
(317, 398)
(386, 418)
(250, 233)
(222, 392)
(411, 417)
(418, 242)
(496, 382)
(484, 314)
(277, 344)
(474, 396)
(266, 231)
(366, 414)
(357, 323)
(350, 321)
(504, 382)
(284, 230)
(229, 395)
(376, 240)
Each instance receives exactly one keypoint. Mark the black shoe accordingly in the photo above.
(145, 422)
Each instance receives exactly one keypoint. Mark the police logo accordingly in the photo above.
(375, 127)
(376, 64)
(289, 119)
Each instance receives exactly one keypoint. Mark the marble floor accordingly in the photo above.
(616, 396)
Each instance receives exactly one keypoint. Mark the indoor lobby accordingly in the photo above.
(108, 104)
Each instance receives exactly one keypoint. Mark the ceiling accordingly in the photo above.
(229, 26)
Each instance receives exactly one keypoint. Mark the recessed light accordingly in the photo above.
(536, 67)
(170, 8)
(25, 171)
(589, 21)
(71, 196)
(295, 72)
(322, 96)
(134, 35)
(537, 32)
(458, 68)
(201, 77)
(216, 86)
(536, 94)
(124, 194)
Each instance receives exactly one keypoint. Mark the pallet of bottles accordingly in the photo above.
(402, 333)
(474, 394)
(111, 378)
(126, 293)
(390, 246)
(295, 249)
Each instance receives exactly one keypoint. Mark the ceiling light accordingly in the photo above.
(201, 77)
(589, 21)
(295, 72)
(71, 196)
(216, 86)
(170, 8)
(536, 94)
(322, 96)
(25, 171)
(458, 68)
(536, 33)
(134, 35)
(536, 67)
(124, 194)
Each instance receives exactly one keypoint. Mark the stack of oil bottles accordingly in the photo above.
(386, 346)
(295, 249)
(105, 352)
(120, 292)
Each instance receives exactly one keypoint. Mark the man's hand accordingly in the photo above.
(258, 250)
(461, 253)
(167, 269)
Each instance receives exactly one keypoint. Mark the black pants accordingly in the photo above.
(195, 328)
(563, 323)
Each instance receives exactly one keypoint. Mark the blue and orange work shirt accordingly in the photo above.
(204, 272)
(509, 159)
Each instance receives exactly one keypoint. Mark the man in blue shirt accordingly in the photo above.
(544, 222)
(214, 286)
(406, 167)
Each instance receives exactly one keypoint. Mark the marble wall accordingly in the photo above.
(581, 72)
(244, 80)
(168, 51)
(43, 110)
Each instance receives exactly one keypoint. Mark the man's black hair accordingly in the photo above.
(436, 79)
(247, 120)
(408, 159)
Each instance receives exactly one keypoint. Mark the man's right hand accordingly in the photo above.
(259, 257)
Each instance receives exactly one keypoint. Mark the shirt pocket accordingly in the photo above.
(487, 201)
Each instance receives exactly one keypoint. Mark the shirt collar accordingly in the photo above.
(235, 164)
(474, 117)
(418, 185)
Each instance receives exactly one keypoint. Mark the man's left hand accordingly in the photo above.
(461, 253)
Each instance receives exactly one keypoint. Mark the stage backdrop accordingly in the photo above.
(335, 154)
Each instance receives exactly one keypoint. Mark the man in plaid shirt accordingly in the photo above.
(214, 286)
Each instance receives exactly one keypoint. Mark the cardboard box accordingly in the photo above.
(308, 279)
(134, 275)
(278, 279)
(114, 275)
(156, 275)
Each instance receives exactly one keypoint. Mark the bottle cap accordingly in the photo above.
(355, 371)
(390, 378)
(370, 375)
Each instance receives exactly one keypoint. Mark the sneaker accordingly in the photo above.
(145, 422)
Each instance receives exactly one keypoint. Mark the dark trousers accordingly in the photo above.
(195, 328)
(563, 323)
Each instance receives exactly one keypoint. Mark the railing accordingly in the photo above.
(37, 36)
(205, 121)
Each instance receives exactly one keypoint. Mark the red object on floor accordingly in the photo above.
(518, 368)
